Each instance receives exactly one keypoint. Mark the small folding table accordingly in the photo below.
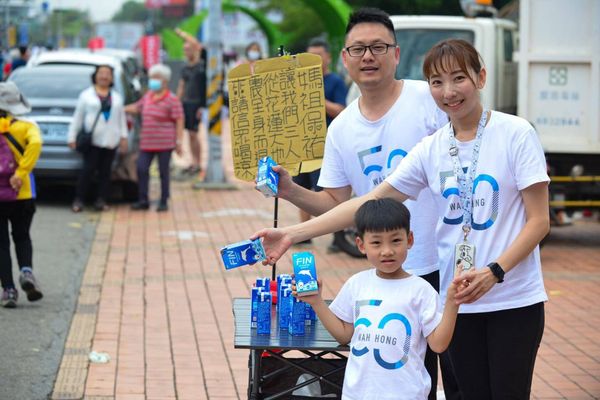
(272, 370)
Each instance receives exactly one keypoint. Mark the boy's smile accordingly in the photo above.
(387, 251)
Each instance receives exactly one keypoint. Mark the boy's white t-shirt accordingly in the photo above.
(362, 153)
(391, 318)
(510, 159)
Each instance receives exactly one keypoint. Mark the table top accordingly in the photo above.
(316, 336)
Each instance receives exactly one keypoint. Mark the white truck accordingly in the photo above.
(546, 69)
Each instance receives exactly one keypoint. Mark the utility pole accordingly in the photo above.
(215, 176)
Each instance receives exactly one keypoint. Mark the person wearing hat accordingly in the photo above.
(20, 147)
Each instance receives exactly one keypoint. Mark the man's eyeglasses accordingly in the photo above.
(376, 49)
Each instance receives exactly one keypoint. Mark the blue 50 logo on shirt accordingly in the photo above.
(374, 337)
(366, 157)
(486, 196)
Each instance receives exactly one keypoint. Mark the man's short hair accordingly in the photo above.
(371, 15)
(318, 42)
(381, 215)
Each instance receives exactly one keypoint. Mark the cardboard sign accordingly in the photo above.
(277, 110)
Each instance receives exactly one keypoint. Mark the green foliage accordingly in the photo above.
(300, 23)
(134, 11)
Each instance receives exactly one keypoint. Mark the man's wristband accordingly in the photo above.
(497, 271)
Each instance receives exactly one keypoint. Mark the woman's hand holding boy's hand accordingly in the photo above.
(473, 284)
(275, 242)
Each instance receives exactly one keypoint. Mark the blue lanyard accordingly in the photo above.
(465, 184)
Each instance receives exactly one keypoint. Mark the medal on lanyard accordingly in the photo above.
(464, 253)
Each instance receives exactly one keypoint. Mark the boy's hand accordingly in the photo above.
(311, 299)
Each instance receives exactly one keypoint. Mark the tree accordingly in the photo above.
(134, 11)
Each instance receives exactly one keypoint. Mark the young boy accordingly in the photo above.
(387, 315)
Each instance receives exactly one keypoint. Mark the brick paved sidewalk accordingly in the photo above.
(156, 298)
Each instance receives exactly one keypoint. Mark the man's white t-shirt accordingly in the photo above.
(391, 318)
(362, 153)
(510, 159)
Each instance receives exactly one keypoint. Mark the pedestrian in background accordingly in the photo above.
(162, 132)
(335, 101)
(22, 59)
(99, 110)
(253, 53)
(191, 90)
(20, 147)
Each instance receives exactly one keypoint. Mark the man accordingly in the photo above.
(369, 139)
(335, 102)
(191, 90)
(21, 61)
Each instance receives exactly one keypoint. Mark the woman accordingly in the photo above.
(499, 206)
(20, 147)
(162, 131)
(99, 110)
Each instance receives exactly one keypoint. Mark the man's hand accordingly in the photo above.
(275, 242)
(71, 145)
(285, 182)
(199, 114)
(179, 149)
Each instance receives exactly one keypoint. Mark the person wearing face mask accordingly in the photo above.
(253, 53)
(100, 110)
(162, 132)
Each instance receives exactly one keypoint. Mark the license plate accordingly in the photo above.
(54, 131)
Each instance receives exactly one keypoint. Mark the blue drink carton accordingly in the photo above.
(256, 291)
(297, 317)
(285, 307)
(243, 253)
(267, 179)
(282, 279)
(263, 283)
(305, 273)
(263, 322)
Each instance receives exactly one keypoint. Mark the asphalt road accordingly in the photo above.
(32, 336)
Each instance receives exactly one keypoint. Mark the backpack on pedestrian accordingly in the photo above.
(8, 166)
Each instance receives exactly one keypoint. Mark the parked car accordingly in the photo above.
(52, 85)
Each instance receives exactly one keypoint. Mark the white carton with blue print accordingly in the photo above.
(242, 253)
(267, 179)
(305, 272)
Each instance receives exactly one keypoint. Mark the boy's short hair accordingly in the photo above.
(381, 215)
(371, 15)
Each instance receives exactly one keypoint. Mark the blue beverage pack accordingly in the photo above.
(263, 283)
(256, 291)
(282, 279)
(263, 323)
(285, 307)
(297, 317)
(305, 273)
(310, 317)
(243, 253)
(267, 179)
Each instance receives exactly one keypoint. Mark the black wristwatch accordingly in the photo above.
(497, 271)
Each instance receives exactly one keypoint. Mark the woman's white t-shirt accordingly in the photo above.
(362, 153)
(510, 159)
(391, 318)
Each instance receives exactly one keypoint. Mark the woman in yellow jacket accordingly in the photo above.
(20, 147)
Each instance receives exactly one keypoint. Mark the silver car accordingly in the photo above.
(53, 90)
